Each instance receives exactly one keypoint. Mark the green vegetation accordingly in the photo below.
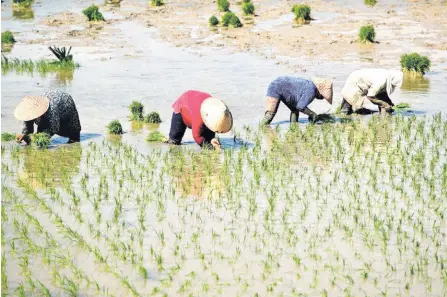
(22, 13)
(223, 5)
(156, 136)
(213, 21)
(302, 12)
(367, 34)
(114, 127)
(136, 111)
(7, 38)
(8, 136)
(157, 2)
(41, 140)
(415, 63)
(41, 66)
(93, 14)
(248, 8)
(370, 2)
(22, 3)
(153, 118)
(61, 53)
(230, 19)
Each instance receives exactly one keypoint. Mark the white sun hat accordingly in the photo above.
(216, 115)
(31, 108)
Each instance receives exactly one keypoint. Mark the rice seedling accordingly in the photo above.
(22, 3)
(302, 12)
(136, 111)
(223, 5)
(248, 8)
(415, 64)
(22, 13)
(40, 140)
(114, 127)
(230, 19)
(370, 2)
(41, 66)
(7, 37)
(156, 136)
(8, 136)
(152, 118)
(213, 21)
(367, 34)
(157, 2)
(93, 14)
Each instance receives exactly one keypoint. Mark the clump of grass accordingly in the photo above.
(302, 12)
(8, 136)
(153, 118)
(248, 8)
(401, 106)
(42, 66)
(41, 140)
(114, 127)
(223, 5)
(136, 109)
(157, 2)
(415, 63)
(156, 136)
(213, 21)
(8, 38)
(230, 19)
(22, 3)
(367, 34)
(370, 2)
(93, 14)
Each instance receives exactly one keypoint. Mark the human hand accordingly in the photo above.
(215, 143)
(20, 137)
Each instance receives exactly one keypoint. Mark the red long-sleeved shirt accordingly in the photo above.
(188, 105)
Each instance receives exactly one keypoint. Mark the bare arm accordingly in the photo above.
(272, 105)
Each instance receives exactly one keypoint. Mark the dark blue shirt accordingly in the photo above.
(296, 93)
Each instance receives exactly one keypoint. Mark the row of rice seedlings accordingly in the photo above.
(41, 66)
(315, 210)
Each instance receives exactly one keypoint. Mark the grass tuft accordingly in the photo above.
(367, 34)
(157, 2)
(8, 38)
(22, 3)
(415, 63)
(248, 8)
(114, 127)
(213, 21)
(156, 136)
(230, 19)
(223, 5)
(370, 2)
(93, 14)
(302, 12)
(136, 109)
(153, 118)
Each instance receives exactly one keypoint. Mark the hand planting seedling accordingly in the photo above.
(114, 127)
(415, 64)
(367, 34)
(93, 14)
(156, 136)
(152, 118)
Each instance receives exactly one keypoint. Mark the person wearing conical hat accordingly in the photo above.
(203, 114)
(374, 84)
(296, 93)
(54, 113)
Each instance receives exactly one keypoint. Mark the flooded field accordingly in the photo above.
(353, 208)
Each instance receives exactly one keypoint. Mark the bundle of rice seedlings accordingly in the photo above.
(41, 140)
(156, 136)
(8, 136)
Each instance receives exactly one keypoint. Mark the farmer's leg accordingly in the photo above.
(294, 115)
(74, 137)
(178, 129)
(346, 108)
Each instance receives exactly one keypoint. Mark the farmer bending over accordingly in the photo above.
(54, 113)
(297, 94)
(374, 84)
(201, 113)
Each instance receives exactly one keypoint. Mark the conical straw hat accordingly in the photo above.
(216, 115)
(324, 87)
(31, 108)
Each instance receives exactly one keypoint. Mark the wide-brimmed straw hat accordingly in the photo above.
(216, 115)
(324, 87)
(31, 108)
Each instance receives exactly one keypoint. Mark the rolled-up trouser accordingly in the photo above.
(178, 128)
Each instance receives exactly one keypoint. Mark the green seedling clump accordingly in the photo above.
(23, 3)
(367, 34)
(401, 107)
(7, 38)
(156, 136)
(230, 19)
(248, 8)
(213, 21)
(223, 5)
(302, 12)
(114, 127)
(8, 136)
(93, 14)
(415, 63)
(42, 66)
(370, 2)
(153, 118)
(136, 109)
(41, 140)
(157, 2)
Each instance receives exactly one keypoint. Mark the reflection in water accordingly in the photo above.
(370, 2)
(22, 13)
(137, 126)
(113, 3)
(415, 83)
(44, 168)
(64, 77)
